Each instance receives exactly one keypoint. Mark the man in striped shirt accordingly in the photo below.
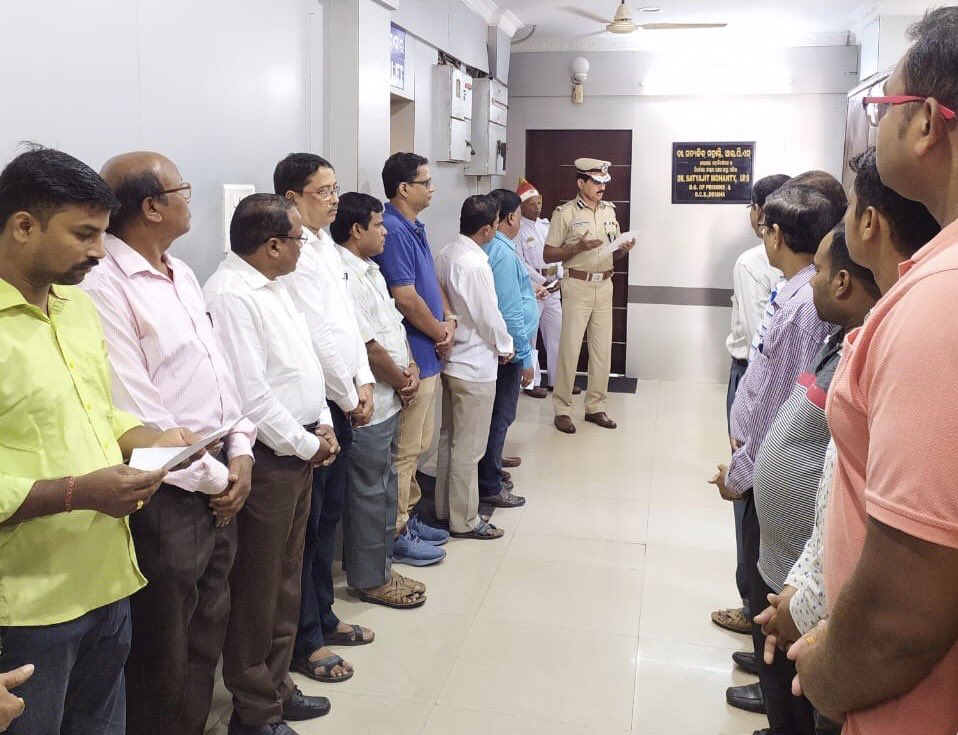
(796, 218)
(789, 465)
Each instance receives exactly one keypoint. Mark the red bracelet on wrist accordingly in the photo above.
(68, 497)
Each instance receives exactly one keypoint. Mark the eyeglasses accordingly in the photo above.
(427, 183)
(326, 192)
(877, 107)
(750, 206)
(184, 190)
(302, 239)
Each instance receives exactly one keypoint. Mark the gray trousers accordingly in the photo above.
(369, 515)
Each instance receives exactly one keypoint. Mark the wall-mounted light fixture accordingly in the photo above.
(580, 72)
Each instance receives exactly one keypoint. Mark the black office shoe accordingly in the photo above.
(748, 698)
(746, 661)
(236, 727)
(504, 499)
(300, 707)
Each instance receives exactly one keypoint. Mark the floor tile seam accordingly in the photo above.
(577, 563)
(537, 718)
(590, 538)
(550, 626)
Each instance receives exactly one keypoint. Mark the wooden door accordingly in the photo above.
(549, 166)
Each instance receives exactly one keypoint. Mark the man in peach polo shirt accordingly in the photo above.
(886, 662)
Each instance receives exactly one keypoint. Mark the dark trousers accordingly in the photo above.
(77, 687)
(503, 414)
(372, 495)
(265, 586)
(316, 616)
(787, 714)
(736, 373)
(180, 617)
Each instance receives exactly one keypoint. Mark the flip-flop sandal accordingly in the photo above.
(352, 638)
(310, 668)
(395, 595)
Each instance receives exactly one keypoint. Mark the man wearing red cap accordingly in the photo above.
(529, 245)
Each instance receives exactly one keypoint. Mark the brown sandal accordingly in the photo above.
(410, 584)
(355, 637)
(392, 594)
(732, 619)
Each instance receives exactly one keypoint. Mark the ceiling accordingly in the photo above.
(825, 20)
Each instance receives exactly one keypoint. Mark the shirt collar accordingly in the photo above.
(129, 260)
(253, 278)
(354, 264)
(793, 284)
(11, 296)
(941, 241)
(468, 242)
(416, 227)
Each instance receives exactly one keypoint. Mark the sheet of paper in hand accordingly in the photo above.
(155, 458)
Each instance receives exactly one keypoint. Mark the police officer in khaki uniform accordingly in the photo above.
(578, 231)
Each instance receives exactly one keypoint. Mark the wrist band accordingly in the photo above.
(68, 495)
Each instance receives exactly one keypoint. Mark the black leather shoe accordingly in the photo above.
(746, 661)
(748, 698)
(236, 727)
(300, 707)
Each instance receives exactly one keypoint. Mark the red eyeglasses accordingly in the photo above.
(877, 107)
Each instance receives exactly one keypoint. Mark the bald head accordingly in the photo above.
(143, 182)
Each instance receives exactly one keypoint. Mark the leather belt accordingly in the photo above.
(587, 276)
(550, 271)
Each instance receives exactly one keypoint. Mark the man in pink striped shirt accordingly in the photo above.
(168, 371)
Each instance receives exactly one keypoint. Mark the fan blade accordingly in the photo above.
(679, 26)
(585, 14)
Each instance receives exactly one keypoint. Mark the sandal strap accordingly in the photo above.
(327, 663)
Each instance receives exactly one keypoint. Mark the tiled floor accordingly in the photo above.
(591, 616)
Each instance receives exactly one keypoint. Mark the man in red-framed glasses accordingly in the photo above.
(886, 661)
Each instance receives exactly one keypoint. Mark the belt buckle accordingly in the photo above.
(596, 277)
(552, 270)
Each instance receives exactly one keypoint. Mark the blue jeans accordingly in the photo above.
(316, 616)
(738, 506)
(503, 414)
(77, 687)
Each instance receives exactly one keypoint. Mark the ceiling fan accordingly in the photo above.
(622, 21)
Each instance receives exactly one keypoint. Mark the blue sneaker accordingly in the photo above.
(434, 536)
(412, 550)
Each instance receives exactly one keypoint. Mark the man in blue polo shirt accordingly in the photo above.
(517, 304)
(406, 264)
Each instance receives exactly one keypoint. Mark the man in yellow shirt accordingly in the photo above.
(67, 564)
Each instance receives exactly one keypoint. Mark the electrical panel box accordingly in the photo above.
(489, 120)
(452, 123)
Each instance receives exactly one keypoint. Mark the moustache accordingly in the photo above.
(91, 263)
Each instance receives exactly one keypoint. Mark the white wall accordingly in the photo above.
(692, 246)
(221, 87)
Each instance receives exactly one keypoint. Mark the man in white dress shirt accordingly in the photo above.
(753, 280)
(318, 288)
(469, 376)
(529, 243)
(266, 342)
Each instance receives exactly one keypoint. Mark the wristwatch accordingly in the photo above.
(454, 317)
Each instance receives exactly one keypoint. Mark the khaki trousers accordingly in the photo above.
(417, 424)
(586, 309)
(466, 414)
